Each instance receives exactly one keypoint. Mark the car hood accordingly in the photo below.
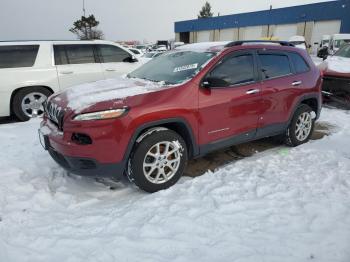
(336, 66)
(104, 94)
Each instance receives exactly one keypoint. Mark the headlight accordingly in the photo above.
(108, 114)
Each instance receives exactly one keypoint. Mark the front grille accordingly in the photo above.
(55, 113)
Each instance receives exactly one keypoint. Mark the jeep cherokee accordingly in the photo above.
(183, 105)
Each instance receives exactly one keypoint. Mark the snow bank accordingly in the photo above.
(85, 95)
(339, 64)
(285, 204)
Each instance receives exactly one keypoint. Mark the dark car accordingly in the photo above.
(182, 105)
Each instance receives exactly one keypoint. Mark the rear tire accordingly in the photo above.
(158, 160)
(27, 102)
(301, 127)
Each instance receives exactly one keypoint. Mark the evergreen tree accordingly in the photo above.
(206, 11)
(86, 28)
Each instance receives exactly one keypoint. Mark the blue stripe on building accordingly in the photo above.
(334, 10)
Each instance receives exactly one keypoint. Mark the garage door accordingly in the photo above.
(227, 35)
(252, 33)
(284, 32)
(203, 36)
(324, 28)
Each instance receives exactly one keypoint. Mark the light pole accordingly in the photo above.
(84, 7)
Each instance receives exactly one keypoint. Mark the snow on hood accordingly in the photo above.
(85, 95)
(338, 64)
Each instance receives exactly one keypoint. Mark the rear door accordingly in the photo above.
(115, 61)
(231, 105)
(77, 64)
(279, 87)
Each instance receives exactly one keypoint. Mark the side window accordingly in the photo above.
(74, 54)
(234, 70)
(112, 54)
(299, 63)
(274, 65)
(18, 56)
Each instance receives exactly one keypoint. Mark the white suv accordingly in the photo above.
(30, 71)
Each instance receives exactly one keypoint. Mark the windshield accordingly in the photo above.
(173, 68)
(344, 52)
(341, 42)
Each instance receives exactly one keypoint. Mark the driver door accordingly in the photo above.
(230, 101)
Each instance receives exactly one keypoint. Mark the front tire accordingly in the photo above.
(158, 160)
(301, 127)
(28, 102)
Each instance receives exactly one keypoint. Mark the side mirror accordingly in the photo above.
(211, 81)
(130, 59)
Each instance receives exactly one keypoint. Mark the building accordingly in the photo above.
(311, 21)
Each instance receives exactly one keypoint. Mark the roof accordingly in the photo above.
(36, 42)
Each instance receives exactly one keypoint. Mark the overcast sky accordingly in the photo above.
(119, 19)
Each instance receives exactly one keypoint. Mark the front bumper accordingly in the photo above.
(82, 160)
(86, 166)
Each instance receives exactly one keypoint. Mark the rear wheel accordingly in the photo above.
(158, 160)
(301, 126)
(28, 102)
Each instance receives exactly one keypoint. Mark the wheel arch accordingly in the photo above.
(178, 125)
(312, 100)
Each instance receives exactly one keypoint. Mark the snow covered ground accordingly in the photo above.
(285, 204)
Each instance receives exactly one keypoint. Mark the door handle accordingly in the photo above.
(66, 72)
(252, 91)
(297, 83)
(110, 69)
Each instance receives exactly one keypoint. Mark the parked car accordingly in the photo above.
(336, 71)
(337, 41)
(30, 71)
(137, 52)
(149, 56)
(183, 105)
(299, 41)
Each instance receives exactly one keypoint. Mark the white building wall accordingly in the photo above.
(251, 33)
(284, 32)
(203, 36)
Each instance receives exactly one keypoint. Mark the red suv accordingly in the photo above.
(182, 105)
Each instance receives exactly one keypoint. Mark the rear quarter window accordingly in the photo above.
(18, 56)
(299, 63)
(274, 65)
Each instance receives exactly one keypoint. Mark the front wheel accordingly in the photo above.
(301, 126)
(158, 160)
(28, 102)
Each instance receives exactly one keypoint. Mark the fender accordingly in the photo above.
(305, 97)
(194, 149)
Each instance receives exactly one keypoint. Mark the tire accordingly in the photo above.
(24, 98)
(146, 157)
(301, 127)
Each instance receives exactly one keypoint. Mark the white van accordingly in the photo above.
(30, 71)
(298, 41)
(337, 41)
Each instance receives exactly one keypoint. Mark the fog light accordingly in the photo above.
(81, 139)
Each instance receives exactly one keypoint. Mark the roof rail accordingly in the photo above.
(237, 43)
